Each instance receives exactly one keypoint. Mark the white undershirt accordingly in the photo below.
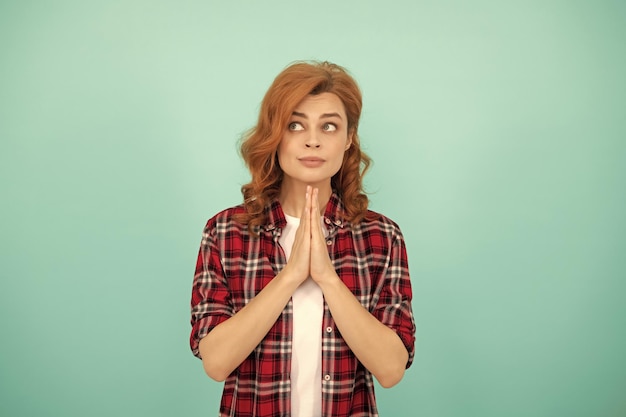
(306, 357)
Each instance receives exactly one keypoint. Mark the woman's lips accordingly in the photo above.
(311, 162)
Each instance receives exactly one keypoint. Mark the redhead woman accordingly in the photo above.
(301, 295)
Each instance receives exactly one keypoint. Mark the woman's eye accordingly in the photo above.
(295, 126)
(329, 127)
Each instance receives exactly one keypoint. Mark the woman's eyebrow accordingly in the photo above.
(323, 116)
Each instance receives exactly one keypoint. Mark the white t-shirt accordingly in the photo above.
(306, 358)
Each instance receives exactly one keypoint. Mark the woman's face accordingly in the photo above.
(315, 139)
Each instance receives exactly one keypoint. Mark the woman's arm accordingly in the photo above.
(375, 345)
(230, 342)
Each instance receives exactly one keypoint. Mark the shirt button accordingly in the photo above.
(326, 377)
(329, 242)
(329, 329)
(327, 221)
(338, 222)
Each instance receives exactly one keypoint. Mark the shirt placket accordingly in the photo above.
(329, 340)
(284, 401)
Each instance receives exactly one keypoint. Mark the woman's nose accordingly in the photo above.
(312, 141)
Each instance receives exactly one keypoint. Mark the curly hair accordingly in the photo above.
(259, 145)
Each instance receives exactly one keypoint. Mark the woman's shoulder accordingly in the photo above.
(227, 219)
(229, 212)
(377, 221)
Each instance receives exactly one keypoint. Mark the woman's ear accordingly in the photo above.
(350, 136)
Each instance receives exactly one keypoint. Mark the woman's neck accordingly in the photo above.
(293, 197)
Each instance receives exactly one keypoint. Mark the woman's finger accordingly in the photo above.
(303, 215)
(309, 198)
(316, 232)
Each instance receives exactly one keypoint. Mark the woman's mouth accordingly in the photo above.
(311, 161)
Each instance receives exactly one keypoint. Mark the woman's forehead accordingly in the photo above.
(323, 103)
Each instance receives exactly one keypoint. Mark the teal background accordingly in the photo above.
(498, 134)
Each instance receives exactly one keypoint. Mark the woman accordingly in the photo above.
(301, 293)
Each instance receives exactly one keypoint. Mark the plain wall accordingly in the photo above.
(498, 135)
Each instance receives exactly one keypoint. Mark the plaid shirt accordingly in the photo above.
(233, 266)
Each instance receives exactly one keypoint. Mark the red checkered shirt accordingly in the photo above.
(234, 265)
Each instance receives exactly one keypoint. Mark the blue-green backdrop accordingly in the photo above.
(499, 139)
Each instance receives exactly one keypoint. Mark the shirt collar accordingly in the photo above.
(333, 214)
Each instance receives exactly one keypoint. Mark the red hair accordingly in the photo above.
(259, 145)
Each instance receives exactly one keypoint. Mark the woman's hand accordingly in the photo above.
(309, 253)
(299, 262)
(322, 268)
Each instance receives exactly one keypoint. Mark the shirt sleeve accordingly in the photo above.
(394, 304)
(210, 297)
